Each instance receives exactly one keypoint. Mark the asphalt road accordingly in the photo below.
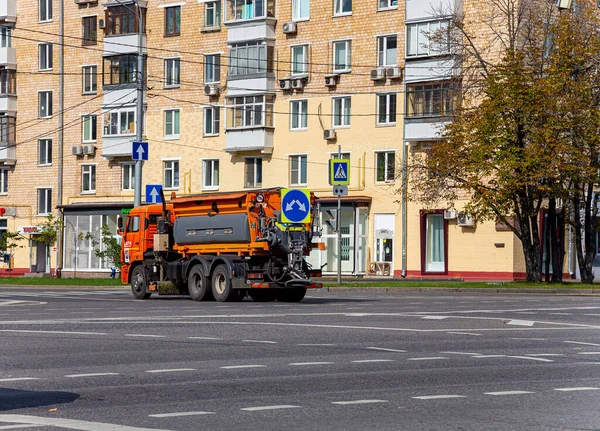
(101, 360)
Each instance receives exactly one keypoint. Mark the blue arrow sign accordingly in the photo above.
(139, 150)
(153, 193)
(295, 205)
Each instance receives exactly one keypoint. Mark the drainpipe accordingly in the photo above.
(61, 70)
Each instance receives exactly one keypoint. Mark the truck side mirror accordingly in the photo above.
(119, 224)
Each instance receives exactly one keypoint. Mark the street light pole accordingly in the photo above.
(137, 195)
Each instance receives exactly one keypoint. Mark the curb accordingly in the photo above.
(541, 291)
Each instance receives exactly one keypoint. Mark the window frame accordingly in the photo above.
(245, 115)
(383, 50)
(90, 30)
(88, 171)
(212, 68)
(123, 19)
(8, 81)
(91, 121)
(389, 4)
(301, 170)
(129, 176)
(423, 240)
(387, 121)
(171, 168)
(46, 97)
(343, 117)
(106, 122)
(3, 181)
(172, 72)
(215, 121)
(90, 72)
(45, 149)
(257, 172)
(208, 166)
(216, 14)
(421, 102)
(250, 58)
(5, 36)
(45, 53)
(120, 69)
(47, 10)
(299, 114)
(45, 194)
(297, 10)
(348, 60)
(299, 68)
(176, 30)
(413, 45)
(174, 121)
(386, 166)
(338, 8)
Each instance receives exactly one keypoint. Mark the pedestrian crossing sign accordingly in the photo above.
(339, 172)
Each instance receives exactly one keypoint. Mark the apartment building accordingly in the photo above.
(239, 94)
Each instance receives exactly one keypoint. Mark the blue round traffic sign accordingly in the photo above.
(295, 206)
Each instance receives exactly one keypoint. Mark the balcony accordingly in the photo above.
(123, 44)
(8, 57)
(252, 139)
(116, 146)
(8, 11)
(8, 103)
(423, 129)
(8, 153)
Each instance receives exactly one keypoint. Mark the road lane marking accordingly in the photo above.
(92, 375)
(14, 427)
(346, 403)
(431, 358)
(543, 354)
(438, 397)
(70, 423)
(299, 364)
(259, 341)
(462, 353)
(261, 408)
(383, 349)
(583, 388)
(530, 339)
(434, 317)
(588, 353)
(175, 415)
(508, 393)
(489, 356)
(530, 358)
(171, 370)
(233, 367)
(204, 338)
(18, 379)
(582, 343)
(363, 361)
(521, 322)
(317, 345)
(145, 335)
(31, 331)
(463, 333)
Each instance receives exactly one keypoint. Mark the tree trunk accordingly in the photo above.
(558, 247)
(585, 233)
(530, 241)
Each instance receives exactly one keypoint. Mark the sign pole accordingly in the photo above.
(339, 230)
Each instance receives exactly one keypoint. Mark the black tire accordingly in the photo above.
(292, 295)
(138, 283)
(221, 284)
(198, 287)
(262, 295)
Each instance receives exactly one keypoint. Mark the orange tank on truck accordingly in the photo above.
(224, 246)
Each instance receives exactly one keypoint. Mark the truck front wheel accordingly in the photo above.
(221, 284)
(198, 284)
(138, 283)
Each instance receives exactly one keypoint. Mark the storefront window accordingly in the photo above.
(83, 237)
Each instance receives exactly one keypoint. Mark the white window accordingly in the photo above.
(248, 9)
(88, 178)
(341, 111)
(90, 81)
(342, 7)
(89, 128)
(212, 68)
(212, 116)
(44, 201)
(5, 37)
(128, 176)
(341, 56)
(172, 72)
(298, 114)
(418, 39)
(298, 170)
(299, 59)
(386, 50)
(300, 10)
(212, 14)
(171, 174)
(250, 58)
(386, 108)
(210, 177)
(44, 151)
(253, 167)
(3, 181)
(45, 10)
(385, 165)
(387, 4)
(435, 243)
(45, 56)
(172, 123)
(250, 111)
(119, 123)
(45, 104)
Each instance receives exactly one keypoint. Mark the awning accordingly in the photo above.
(346, 200)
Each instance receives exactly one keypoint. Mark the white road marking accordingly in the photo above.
(521, 322)
(530, 358)
(317, 345)
(70, 423)
(462, 333)
(543, 354)
(577, 389)
(383, 349)
(175, 415)
(438, 397)
(364, 361)
(432, 358)
(489, 356)
(30, 331)
(508, 393)
(233, 367)
(14, 427)
(589, 353)
(345, 403)
(582, 343)
(461, 353)
(260, 341)
(92, 375)
(561, 314)
(299, 364)
(145, 335)
(257, 409)
(531, 339)
(204, 338)
(171, 370)
(18, 379)
(434, 317)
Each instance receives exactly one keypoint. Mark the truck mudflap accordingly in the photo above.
(287, 285)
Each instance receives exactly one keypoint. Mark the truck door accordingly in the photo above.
(131, 245)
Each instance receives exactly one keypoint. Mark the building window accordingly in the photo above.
(90, 34)
(386, 108)
(342, 156)
(119, 123)
(386, 50)
(122, 20)
(3, 181)
(5, 37)
(342, 7)
(298, 114)
(45, 51)
(387, 4)
(418, 39)
(434, 242)
(90, 83)
(120, 69)
(45, 10)
(88, 178)
(299, 59)
(250, 111)
(385, 163)
(300, 9)
(172, 123)
(248, 9)
(253, 168)
(212, 117)
(8, 130)
(44, 201)
(171, 174)
(430, 99)
(173, 21)
(341, 111)
(172, 72)
(45, 104)
(341, 56)
(212, 14)
(250, 58)
(89, 128)
(45, 151)
(128, 176)
(210, 177)
(212, 68)
(297, 170)
(8, 81)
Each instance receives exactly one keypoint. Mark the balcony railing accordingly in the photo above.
(8, 11)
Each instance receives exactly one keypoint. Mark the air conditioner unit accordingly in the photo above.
(289, 27)
(450, 214)
(329, 134)
(285, 84)
(298, 83)
(331, 80)
(377, 74)
(77, 150)
(465, 219)
(211, 90)
(88, 149)
(393, 72)
(101, 23)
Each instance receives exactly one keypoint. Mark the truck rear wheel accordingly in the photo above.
(221, 284)
(292, 295)
(198, 284)
(138, 283)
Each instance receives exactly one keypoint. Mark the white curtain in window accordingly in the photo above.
(434, 256)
